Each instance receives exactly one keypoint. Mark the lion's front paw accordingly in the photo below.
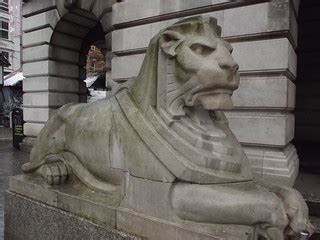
(298, 214)
(299, 223)
(55, 173)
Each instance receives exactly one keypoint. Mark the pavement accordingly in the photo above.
(11, 160)
(5, 133)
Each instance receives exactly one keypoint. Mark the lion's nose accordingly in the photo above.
(234, 67)
(229, 65)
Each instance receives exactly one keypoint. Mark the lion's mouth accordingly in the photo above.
(192, 97)
(211, 99)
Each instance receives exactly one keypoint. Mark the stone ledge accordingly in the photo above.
(48, 18)
(261, 128)
(104, 210)
(259, 24)
(139, 12)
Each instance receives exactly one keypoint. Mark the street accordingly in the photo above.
(10, 162)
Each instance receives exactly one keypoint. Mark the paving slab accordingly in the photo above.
(11, 160)
(5, 133)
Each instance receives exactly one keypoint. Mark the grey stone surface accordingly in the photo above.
(272, 128)
(258, 19)
(41, 20)
(45, 83)
(32, 129)
(37, 37)
(62, 54)
(281, 89)
(48, 67)
(66, 41)
(60, 69)
(102, 208)
(274, 165)
(37, 5)
(159, 229)
(141, 9)
(44, 52)
(100, 6)
(37, 114)
(85, 19)
(86, 4)
(278, 54)
(130, 66)
(27, 219)
(37, 53)
(36, 68)
(76, 30)
(255, 17)
(48, 99)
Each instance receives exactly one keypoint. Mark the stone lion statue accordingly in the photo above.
(167, 127)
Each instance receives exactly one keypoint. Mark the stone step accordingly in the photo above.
(309, 184)
(316, 223)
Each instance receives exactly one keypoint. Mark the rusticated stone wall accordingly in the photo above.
(263, 35)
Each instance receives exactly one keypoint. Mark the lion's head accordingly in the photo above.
(187, 77)
(192, 66)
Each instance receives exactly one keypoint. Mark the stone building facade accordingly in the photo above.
(10, 33)
(95, 61)
(264, 35)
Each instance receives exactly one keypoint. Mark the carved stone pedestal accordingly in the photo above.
(36, 211)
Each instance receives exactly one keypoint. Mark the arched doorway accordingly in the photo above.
(56, 42)
(69, 46)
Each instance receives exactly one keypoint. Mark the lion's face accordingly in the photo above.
(204, 68)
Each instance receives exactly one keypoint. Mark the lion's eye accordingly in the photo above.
(201, 49)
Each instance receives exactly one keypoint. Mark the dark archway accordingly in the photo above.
(70, 42)
(307, 125)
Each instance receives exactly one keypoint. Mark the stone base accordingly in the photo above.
(28, 219)
(34, 209)
(279, 166)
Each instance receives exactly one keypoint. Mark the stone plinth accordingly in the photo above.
(28, 219)
(35, 210)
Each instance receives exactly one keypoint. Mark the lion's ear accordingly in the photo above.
(169, 41)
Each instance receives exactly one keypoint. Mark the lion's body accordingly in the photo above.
(101, 138)
(109, 142)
